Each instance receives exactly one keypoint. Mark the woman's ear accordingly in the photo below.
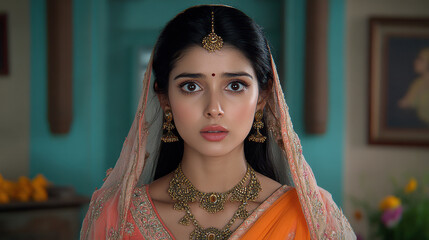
(162, 98)
(263, 95)
(163, 101)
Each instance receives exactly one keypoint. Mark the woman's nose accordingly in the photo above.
(214, 107)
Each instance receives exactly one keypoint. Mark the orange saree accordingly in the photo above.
(283, 220)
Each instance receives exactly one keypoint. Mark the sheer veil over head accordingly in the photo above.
(137, 162)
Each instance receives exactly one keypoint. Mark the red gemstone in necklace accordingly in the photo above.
(211, 236)
(213, 198)
(213, 74)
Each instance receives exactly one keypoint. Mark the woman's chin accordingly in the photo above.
(214, 149)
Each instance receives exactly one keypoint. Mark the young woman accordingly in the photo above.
(228, 164)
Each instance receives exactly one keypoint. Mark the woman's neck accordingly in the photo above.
(214, 174)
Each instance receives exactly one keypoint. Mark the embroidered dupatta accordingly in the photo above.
(109, 206)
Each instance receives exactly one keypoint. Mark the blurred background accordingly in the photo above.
(111, 43)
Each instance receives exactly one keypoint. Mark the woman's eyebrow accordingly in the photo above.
(189, 75)
(237, 74)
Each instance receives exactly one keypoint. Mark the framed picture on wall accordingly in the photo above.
(399, 81)
(4, 48)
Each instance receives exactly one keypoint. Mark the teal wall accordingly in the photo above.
(107, 37)
(78, 157)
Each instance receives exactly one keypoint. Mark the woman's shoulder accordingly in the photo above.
(268, 185)
(158, 189)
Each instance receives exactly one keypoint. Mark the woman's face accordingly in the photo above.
(213, 98)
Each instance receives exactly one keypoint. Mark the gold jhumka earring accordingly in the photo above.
(212, 42)
(258, 124)
(169, 136)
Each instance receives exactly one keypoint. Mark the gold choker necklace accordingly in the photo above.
(183, 192)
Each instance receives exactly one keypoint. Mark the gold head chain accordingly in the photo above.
(212, 41)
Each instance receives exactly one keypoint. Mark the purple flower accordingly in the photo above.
(391, 217)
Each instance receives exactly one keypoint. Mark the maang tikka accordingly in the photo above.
(169, 136)
(258, 124)
(212, 41)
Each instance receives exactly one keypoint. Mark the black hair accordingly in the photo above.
(188, 29)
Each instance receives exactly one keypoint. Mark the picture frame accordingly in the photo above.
(398, 81)
(4, 46)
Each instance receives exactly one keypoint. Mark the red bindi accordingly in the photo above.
(213, 74)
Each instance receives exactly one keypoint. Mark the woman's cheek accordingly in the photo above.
(243, 111)
(184, 112)
(246, 113)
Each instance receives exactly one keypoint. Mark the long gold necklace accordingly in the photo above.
(183, 192)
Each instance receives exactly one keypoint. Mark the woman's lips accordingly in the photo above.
(214, 133)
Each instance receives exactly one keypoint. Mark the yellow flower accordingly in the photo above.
(22, 196)
(40, 194)
(24, 189)
(4, 198)
(7, 186)
(24, 181)
(390, 202)
(39, 181)
(411, 186)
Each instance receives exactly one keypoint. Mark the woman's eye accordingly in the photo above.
(190, 87)
(236, 86)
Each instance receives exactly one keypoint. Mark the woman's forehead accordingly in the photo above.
(198, 59)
